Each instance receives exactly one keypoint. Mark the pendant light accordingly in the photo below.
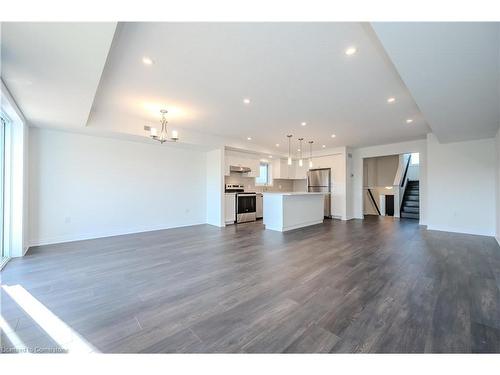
(300, 148)
(289, 136)
(311, 154)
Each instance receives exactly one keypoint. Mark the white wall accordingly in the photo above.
(380, 171)
(461, 178)
(85, 186)
(359, 154)
(413, 173)
(497, 192)
(215, 187)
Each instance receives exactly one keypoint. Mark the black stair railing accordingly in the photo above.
(406, 171)
(373, 201)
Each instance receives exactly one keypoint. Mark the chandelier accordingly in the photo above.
(163, 136)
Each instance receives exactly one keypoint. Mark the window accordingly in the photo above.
(263, 179)
(3, 124)
(415, 158)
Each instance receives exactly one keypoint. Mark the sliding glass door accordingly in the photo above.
(3, 254)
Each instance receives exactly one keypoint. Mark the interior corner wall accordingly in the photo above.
(462, 186)
(84, 186)
(215, 187)
(361, 153)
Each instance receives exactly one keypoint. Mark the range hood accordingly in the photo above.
(238, 169)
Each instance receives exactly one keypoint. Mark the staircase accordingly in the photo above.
(410, 207)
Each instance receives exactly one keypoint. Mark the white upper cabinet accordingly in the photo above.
(276, 169)
(301, 172)
(280, 169)
(254, 165)
(241, 159)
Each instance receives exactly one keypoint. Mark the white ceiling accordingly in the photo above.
(452, 71)
(292, 72)
(53, 69)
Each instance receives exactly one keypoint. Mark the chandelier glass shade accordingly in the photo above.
(301, 162)
(310, 154)
(289, 136)
(163, 136)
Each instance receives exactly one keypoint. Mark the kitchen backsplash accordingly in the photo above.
(249, 183)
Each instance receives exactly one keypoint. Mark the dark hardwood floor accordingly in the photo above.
(378, 285)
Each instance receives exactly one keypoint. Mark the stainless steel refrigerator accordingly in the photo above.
(319, 180)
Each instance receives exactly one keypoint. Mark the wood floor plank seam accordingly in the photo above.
(379, 285)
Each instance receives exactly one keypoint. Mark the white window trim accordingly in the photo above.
(16, 196)
(3, 180)
(268, 179)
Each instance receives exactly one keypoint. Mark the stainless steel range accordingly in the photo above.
(246, 203)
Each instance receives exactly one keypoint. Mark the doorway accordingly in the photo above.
(391, 185)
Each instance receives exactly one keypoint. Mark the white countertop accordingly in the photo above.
(292, 193)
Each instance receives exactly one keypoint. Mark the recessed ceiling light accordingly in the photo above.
(147, 60)
(249, 138)
(270, 156)
(323, 146)
(391, 100)
(333, 136)
(303, 123)
(277, 145)
(409, 121)
(350, 51)
(246, 101)
(298, 149)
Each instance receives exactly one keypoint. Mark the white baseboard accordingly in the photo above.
(455, 230)
(111, 233)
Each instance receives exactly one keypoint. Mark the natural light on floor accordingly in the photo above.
(59, 331)
(12, 336)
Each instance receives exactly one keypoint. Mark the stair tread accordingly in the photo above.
(411, 209)
(409, 215)
(411, 204)
(411, 201)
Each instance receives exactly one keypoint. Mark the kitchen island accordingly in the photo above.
(287, 211)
